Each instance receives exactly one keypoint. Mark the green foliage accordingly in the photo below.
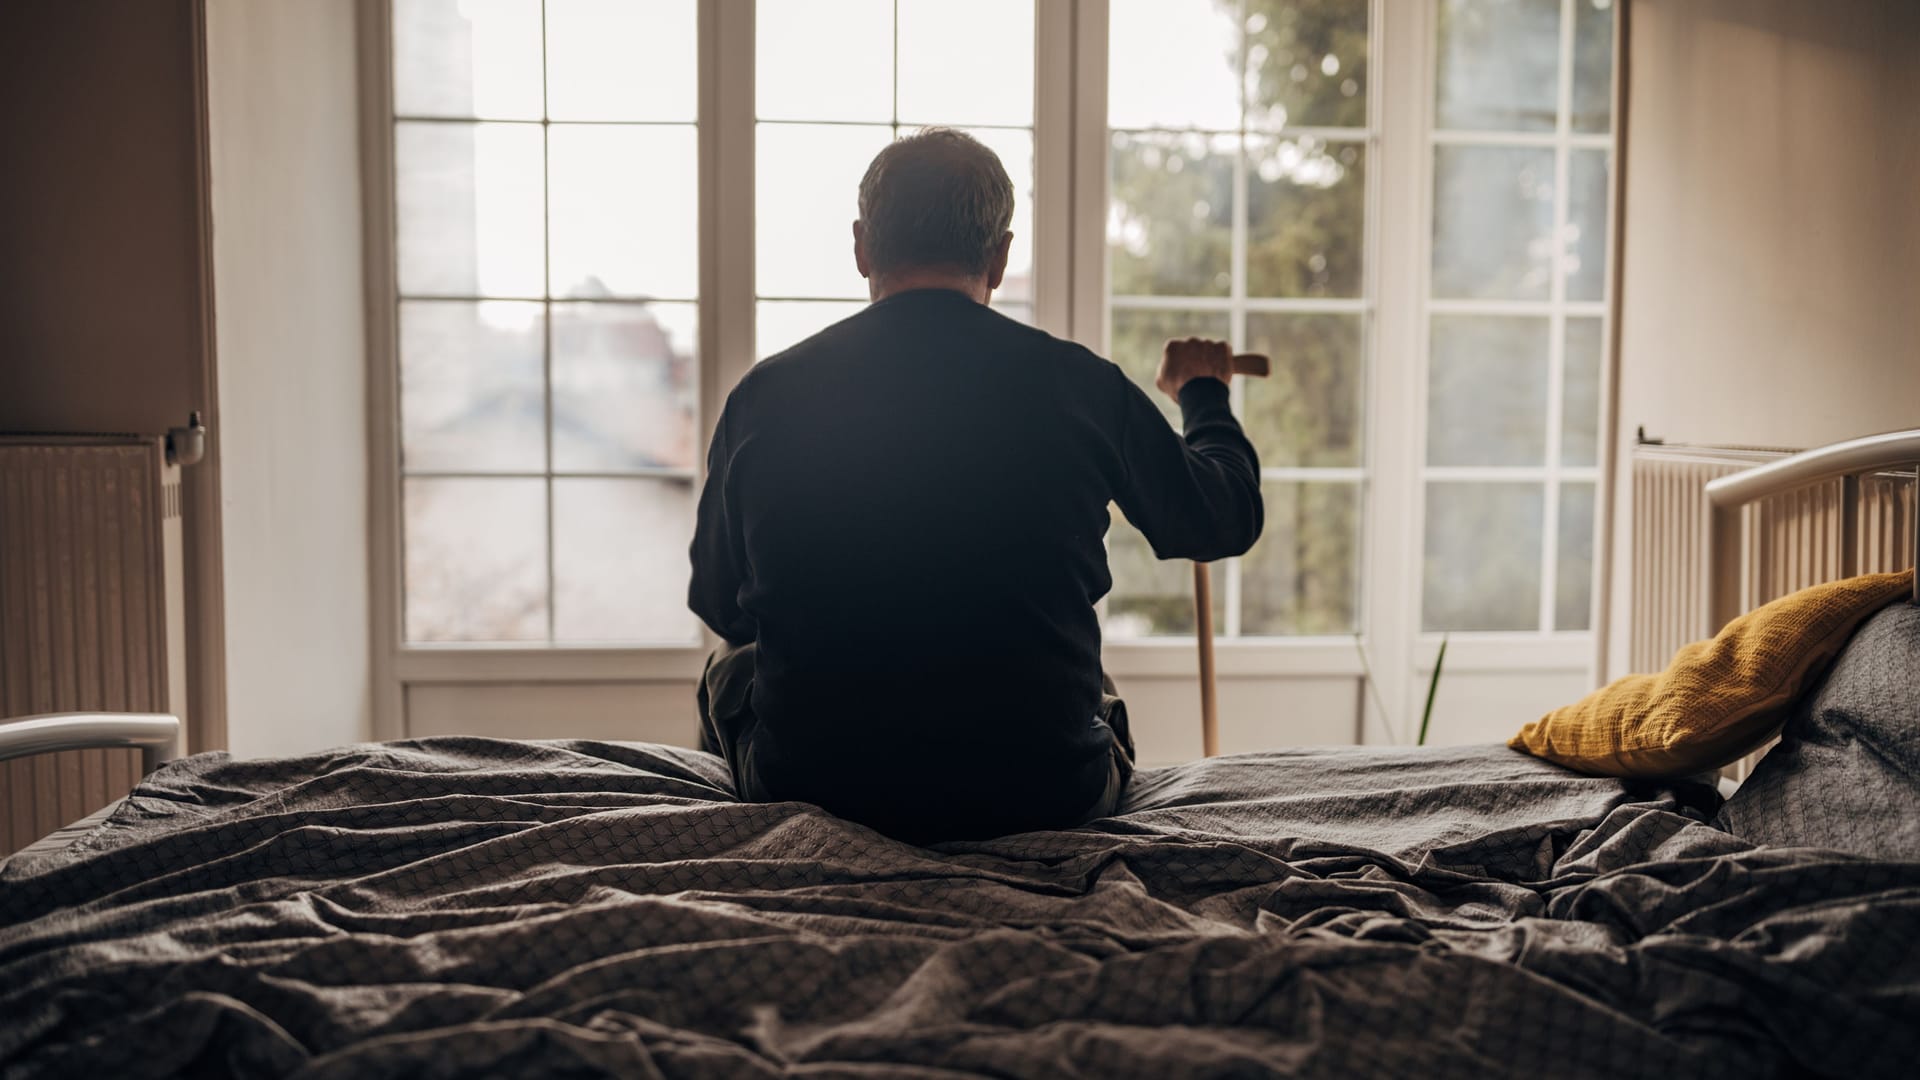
(1171, 221)
(1373, 689)
(1288, 42)
(1171, 235)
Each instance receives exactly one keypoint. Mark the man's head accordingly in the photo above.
(934, 212)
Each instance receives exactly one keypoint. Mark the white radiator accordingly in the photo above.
(92, 612)
(1819, 533)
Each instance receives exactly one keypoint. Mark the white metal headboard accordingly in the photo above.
(1846, 461)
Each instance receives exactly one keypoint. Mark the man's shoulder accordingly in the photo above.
(801, 359)
(1072, 355)
(826, 341)
(867, 334)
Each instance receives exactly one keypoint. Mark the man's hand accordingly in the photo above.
(1187, 359)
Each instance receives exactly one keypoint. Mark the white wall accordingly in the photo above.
(283, 109)
(1771, 276)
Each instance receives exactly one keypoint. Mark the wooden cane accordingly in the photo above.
(1203, 614)
(1257, 366)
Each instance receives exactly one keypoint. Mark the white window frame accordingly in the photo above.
(1238, 305)
(1556, 309)
(1071, 147)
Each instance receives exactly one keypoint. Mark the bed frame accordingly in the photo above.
(158, 735)
(1845, 461)
(155, 735)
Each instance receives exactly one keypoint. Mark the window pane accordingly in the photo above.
(824, 60)
(471, 386)
(1017, 312)
(470, 204)
(1592, 65)
(593, 72)
(1015, 150)
(781, 324)
(1138, 339)
(1499, 65)
(1152, 597)
(1487, 391)
(623, 387)
(1482, 556)
(467, 58)
(806, 202)
(1573, 589)
(1307, 63)
(1173, 64)
(1580, 408)
(1302, 577)
(1586, 235)
(1492, 223)
(620, 560)
(625, 211)
(1170, 219)
(1308, 412)
(476, 560)
(1306, 217)
(966, 63)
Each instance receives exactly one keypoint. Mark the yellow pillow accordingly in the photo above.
(1720, 698)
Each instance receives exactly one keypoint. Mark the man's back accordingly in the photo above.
(906, 514)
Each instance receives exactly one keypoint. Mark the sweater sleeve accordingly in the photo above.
(1195, 496)
(719, 557)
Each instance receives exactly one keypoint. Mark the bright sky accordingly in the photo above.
(1171, 65)
(623, 209)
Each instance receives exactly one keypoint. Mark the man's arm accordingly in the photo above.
(1197, 496)
(719, 561)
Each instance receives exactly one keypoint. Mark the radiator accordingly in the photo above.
(91, 610)
(1816, 534)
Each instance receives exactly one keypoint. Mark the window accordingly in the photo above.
(1237, 210)
(838, 80)
(604, 212)
(1521, 146)
(546, 275)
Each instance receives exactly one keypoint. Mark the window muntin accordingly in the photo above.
(1516, 326)
(1237, 210)
(835, 82)
(546, 256)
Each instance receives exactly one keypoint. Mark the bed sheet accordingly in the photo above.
(472, 907)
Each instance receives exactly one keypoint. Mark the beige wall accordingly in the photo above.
(105, 297)
(102, 316)
(1770, 290)
(283, 110)
(116, 111)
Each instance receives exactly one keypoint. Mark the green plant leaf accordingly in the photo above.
(1433, 687)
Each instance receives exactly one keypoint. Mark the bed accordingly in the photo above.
(473, 907)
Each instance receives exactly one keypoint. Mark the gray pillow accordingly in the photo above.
(1846, 773)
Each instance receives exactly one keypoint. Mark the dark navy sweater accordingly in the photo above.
(906, 513)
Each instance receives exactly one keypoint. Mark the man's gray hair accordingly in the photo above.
(936, 198)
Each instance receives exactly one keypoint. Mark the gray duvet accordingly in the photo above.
(468, 907)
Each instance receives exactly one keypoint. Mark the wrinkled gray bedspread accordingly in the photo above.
(470, 907)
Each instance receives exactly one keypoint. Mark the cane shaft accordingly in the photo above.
(1203, 632)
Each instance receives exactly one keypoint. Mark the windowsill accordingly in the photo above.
(1177, 657)
(1171, 657)
(521, 663)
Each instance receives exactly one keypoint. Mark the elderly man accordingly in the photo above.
(901, 534)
